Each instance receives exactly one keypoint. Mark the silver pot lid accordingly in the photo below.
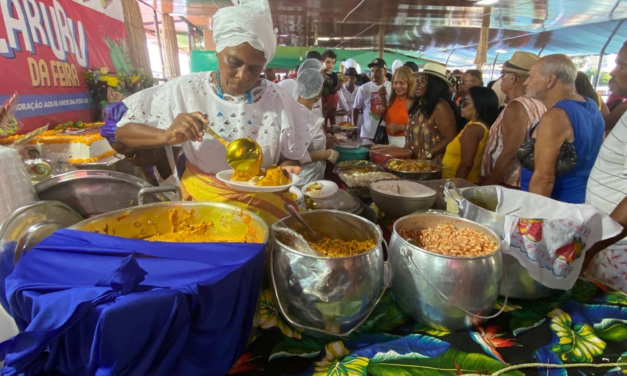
(342, 200)
(30, 224)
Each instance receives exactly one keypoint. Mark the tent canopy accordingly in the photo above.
(290, 57)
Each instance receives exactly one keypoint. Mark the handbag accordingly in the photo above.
(566, 160)
(381, 136)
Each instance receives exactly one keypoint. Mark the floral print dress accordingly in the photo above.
(422, 134)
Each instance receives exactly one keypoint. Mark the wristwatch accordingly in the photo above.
(428, 155)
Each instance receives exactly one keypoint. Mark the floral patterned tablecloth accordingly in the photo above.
(585, 325)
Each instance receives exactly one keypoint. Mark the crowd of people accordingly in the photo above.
(537, 128)
(541, 128)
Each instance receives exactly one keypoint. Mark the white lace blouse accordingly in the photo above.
(275, 120)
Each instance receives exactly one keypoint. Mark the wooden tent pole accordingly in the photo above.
(382, 36)
(596, 77)
(482, 48)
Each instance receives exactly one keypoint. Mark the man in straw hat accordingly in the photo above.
(509, 131)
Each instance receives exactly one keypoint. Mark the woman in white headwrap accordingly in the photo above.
(234, 102)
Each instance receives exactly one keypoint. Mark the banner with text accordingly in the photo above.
(46, 45)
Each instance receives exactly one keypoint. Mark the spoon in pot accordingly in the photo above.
(242, 154)
(294, 213)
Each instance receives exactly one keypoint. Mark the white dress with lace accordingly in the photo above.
(275, 120)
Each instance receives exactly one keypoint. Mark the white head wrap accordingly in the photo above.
(396, 64)
(247, 21)
(310, 64)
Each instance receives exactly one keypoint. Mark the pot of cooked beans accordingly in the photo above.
(445, 270)
(479, 204)
(333, 287)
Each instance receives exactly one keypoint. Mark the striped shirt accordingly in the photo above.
(607, 185)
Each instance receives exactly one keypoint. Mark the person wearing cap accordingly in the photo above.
(289, 85)
(433, 117)
(509, 131)
(235, 103)
(308, 91)
(347, 94)
(369, 101)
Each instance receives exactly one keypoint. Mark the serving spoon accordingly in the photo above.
(242, 154)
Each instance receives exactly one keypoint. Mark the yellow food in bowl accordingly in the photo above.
(184, 230)
(274, 176)
(411, 165)
(341, 248)
(346, 125)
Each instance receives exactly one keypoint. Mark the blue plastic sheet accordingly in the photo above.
(92, 304)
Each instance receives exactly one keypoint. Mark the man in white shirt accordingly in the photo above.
(607, 191)
(347, 94)
(368, 100)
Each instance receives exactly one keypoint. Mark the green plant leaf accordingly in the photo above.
(349, 366)
(616, 297)
(386, 316)
(584, 290)
(577, 344)
(611, 329)
(444, 364)
(284, 350)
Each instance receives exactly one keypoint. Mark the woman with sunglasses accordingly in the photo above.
(464, 154)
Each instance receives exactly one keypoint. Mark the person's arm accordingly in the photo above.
(394, 127)
(514, 130)
(619, 215)
(444, 118)
(321, 155)
(469, 141)
(358, 105)
(612, 119)
(185, 127)
(554, 129)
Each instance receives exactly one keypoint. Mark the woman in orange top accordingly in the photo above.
(401, 99)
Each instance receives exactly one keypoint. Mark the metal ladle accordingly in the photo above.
(294, 213)
(243, 154)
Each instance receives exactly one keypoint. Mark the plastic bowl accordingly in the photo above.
(400, 206)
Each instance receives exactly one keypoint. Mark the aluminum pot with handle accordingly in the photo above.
(444, 292)
(479, 204)
(95, 192)
(328, 295)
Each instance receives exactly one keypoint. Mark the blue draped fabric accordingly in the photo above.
(92, 304)
(112, 114)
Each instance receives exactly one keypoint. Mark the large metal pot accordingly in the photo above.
(147, 220)
(444, 292)
(479, 204)
(95, 192)
(328, 295)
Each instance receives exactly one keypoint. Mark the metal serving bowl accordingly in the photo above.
(95, 192)
(147, 220)
(328, 295)
(479, 204)
(430, 175)
(454, 293)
